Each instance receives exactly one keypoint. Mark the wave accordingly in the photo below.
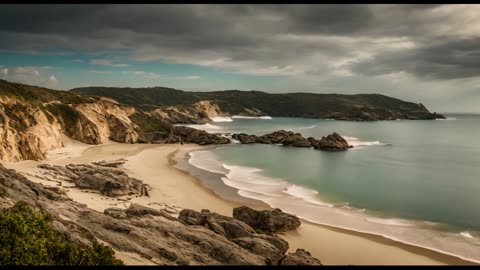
(221, 119)
(392, 221)
(309, 127)
(306, 194)
(206, 160)
(357, 142)
(205, 127)
(252, 183)
(252, 117)
(448, 118)
(467, 235)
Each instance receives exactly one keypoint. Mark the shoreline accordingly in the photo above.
(291, 236)
(177, 189)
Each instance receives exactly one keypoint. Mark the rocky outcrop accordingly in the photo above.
(268, 221)
(300, 257)
(272, 247)
(110, 119)
(108, 181)
(150, 233)
(198, 113)
(181, 134)
(333, 142)
(226, 226)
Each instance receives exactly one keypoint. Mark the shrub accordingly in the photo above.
(27, 238)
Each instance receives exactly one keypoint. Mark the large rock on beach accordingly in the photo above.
(271, 221)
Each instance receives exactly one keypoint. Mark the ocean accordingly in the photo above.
(417, 182)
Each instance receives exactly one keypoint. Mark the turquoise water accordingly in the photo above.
(413, 181)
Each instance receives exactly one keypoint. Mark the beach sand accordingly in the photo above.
(175, 189)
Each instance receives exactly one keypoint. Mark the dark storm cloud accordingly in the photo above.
(309, 38)
(448, 60)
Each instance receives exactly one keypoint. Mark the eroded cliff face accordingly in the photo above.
(30, 128)
(198, 113)
(26, 132)
(111, 120)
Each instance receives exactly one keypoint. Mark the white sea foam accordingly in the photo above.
(306, 194)
(466, 234)
(207, 161)
(252, 117)
(295, 199)
(357, 142)
(221, 119)
(392, 221)
(448, 118)
(309, 127)
(206, 127)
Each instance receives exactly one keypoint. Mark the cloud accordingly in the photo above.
(192, 77)
(78, 61)
(105, 62)
(390, 49)
(33, 75)
(99, 71)
(268, 40)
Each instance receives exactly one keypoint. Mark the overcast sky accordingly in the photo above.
(419, 53)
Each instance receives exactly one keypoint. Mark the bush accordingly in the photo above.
(27, 238)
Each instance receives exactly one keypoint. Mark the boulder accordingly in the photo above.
(109, 181)
(300, 257)
(333, 142)
(226, 226)
(266, 220)
(271, 247)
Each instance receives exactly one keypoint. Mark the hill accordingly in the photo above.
(361, 107)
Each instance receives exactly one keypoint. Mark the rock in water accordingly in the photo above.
(333, 142)
(265, 220)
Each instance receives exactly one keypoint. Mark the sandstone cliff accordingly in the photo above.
(32, 121)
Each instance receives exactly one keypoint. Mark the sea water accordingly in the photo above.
(414, 181)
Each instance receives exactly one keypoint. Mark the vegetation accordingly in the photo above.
(2, 193)
(146, 123)
(27, 238)
(68, 114)
(17, 113)
(37, 94)
(288, 105)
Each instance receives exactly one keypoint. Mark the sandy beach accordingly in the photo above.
(174, 189)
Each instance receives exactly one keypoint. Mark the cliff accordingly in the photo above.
(34, 120)
(362, 107)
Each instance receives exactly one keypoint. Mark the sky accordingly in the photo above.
(419, 53)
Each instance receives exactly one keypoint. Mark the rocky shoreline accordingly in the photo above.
(161, 236)
(332, 142)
